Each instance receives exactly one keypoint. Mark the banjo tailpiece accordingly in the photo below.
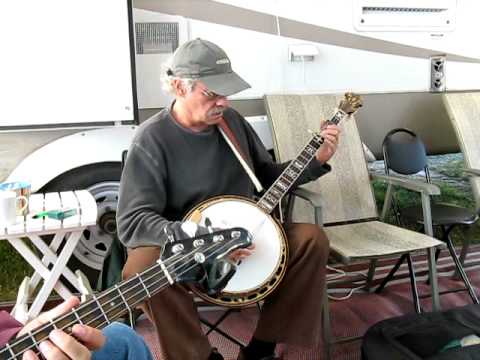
(218, 273)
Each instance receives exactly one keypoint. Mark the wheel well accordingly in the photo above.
(84, 176)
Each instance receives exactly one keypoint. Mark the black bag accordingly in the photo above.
(432, 336)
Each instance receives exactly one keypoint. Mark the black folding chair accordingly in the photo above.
(405, 154)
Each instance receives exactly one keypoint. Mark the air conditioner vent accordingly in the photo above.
(156, 38)
(366, 9)
(405, 15)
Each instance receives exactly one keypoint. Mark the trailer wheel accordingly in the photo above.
(103, 182)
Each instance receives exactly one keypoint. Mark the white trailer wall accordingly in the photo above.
(263, 59)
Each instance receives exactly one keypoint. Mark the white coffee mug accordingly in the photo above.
(8, 207)
(21, 188)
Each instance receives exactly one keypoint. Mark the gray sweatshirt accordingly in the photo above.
(170, 169)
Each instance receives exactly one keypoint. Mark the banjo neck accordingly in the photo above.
(272, 197)
(113, 303)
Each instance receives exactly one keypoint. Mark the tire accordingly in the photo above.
(103, 182)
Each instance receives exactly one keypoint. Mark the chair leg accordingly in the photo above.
(218, 322)
(459, 267)
(214, 327)
(413, 284)
(437, 255)
(327, 330)
(371, 274)
(413, 280)
(391, 274)
(463, 255)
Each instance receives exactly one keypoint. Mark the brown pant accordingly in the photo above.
(291, 314)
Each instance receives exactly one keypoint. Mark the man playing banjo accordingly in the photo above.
(191, 152)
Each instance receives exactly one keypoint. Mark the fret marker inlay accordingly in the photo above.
(79, 319)
(7, 345)
(101, 309)
(123, 298)
(143, 284)
(165, 271)
(35, 343)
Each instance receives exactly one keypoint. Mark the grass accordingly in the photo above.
(13, 268)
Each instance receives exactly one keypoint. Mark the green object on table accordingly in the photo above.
(58, 214)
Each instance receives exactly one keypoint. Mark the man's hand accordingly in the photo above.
(330, 133)
(61, 345)
(241, 254)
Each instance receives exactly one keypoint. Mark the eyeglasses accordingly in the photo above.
(210, 95)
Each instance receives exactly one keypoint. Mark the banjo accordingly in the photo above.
(260, 273)
(179, 260)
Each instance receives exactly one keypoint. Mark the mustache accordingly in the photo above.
(216, 111)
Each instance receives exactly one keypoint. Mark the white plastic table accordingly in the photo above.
(66, 231)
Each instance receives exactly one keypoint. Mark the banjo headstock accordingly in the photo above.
(203, 260)
(209, 246)
(351, 103)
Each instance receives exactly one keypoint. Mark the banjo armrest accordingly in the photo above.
(314, 198)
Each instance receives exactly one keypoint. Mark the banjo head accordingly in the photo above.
(260, 273)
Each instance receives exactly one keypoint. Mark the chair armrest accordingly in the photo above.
(470, 171)
(423, 188)
(414, 185)
(312, 197)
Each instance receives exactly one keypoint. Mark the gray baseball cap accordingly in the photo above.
(203, 60)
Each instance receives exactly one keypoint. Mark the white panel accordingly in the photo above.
(65, 62)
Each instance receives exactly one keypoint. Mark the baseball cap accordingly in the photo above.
(205, 61)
